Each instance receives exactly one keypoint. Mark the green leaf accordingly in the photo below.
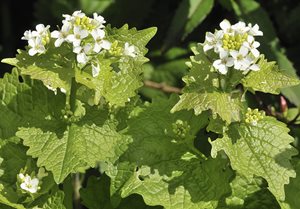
(293, 189)
(162, 164)
(14, 158)
(190, 186)
(6, 198)
(269, 79)
(55, 201)
(27, 104)
(263, 150)
(138, 38)
(223, 104)
(250, 194)
(74, 149)
(188, 16)
(53, 68)
(96, 194)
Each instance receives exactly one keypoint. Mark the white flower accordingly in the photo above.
(129, 50)
(241, 60)
(36, 45)
(76, 14)
(61, 36)
(240, 28)
(98, 20)
(28, 184)
(251, 44)
(254, 31)
(95, 70)
(98, 36)
(226, 26)
(82, 53)
(78, 35)
(27, 35)
(213, 41)
(41, 31)
(224, 62)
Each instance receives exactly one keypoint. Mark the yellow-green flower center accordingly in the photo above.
(115, 49)
(233, 42)
(253, 116)
(85, 22)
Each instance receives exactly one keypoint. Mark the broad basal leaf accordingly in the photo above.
(268, 79)
(163, 166)
(263, 150)
(73, 150)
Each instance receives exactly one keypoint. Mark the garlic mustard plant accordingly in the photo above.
(77, 118)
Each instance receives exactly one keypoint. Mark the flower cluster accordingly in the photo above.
(253, 116)
(86, 36)
(235, 46)
(38, 39)
(29, 184)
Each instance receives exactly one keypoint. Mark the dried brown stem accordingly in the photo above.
(162, 86)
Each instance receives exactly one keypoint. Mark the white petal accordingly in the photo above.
(77, 49)
(34, 182)
(216, 63)
(225, 25)
(234, 53)
(21, 176)
(223, 69)
(255, 44)
(58, 42)
(207, 47)
(82, 58)
(229, 62)
(97, 48)
(250, 39)
(209, 36)
(105, 44)
(223, 54)
(255, 53)
(40, 27)
(32, 52)
(55, 34)
(243, 51)
(254, 67)
(95, 70)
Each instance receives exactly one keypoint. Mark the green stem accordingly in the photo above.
(73, 95)
(68, 190)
